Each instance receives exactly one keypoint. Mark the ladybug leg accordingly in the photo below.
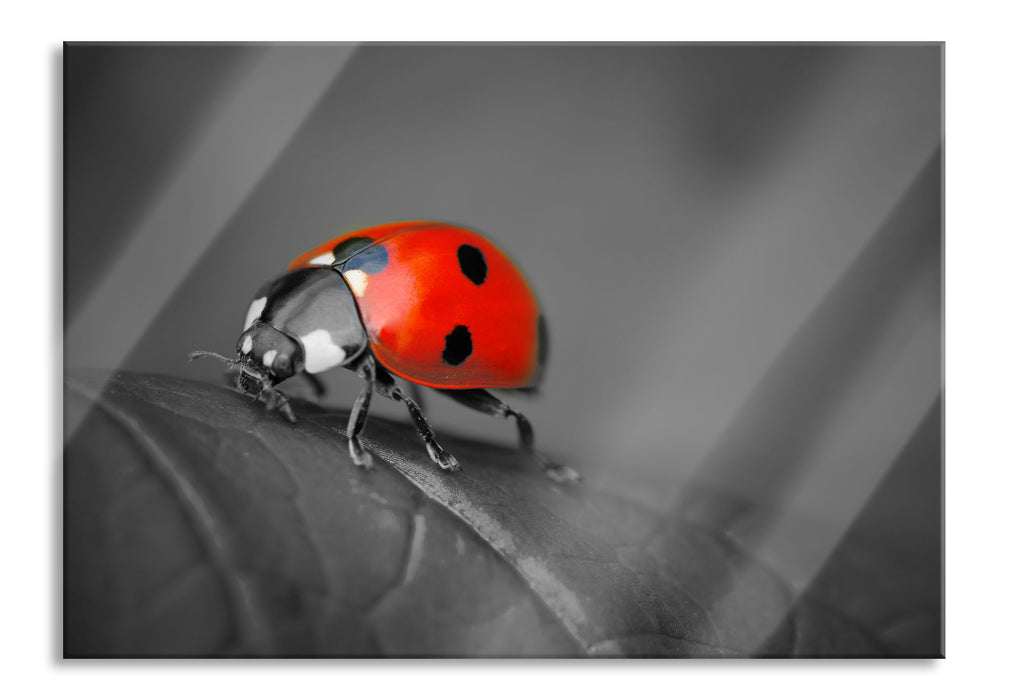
(416, 395)
(359, 414)
(485, 402)
(317, 386)
(387, 386)
(276, 399)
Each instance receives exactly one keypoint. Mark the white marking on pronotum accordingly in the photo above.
(357, 280)
(326, 258)
(269, 357)
(247, 345)
(321, 353)
(255, 308)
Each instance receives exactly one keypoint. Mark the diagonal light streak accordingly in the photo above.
(877, 403)
(779, 245)
(240, 141)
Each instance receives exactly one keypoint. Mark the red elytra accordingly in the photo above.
(436, 304)
(435, 279)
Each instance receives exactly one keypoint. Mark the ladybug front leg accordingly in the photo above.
(485, 402)
(276, 399)
(387, 386)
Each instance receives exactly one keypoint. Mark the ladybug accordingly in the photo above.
(422, 302)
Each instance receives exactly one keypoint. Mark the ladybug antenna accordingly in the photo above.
(196, 354)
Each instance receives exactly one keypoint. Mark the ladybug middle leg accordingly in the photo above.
(485, 402)
(359, 413)
(416, 395)
(386, 385)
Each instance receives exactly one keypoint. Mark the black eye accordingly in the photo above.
(282, 363)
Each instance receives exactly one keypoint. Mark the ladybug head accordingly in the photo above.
(265, 352)
(265, 357)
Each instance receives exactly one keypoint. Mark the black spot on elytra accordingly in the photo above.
(458, 346)
(345, 249)
(370, 260)
(542, 341)
(472, 263)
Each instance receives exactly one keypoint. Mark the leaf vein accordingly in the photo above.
(252, 624)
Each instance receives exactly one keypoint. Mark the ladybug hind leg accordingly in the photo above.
(485, 402)
(386, 385)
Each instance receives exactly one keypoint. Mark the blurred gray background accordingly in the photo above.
(738, 247)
